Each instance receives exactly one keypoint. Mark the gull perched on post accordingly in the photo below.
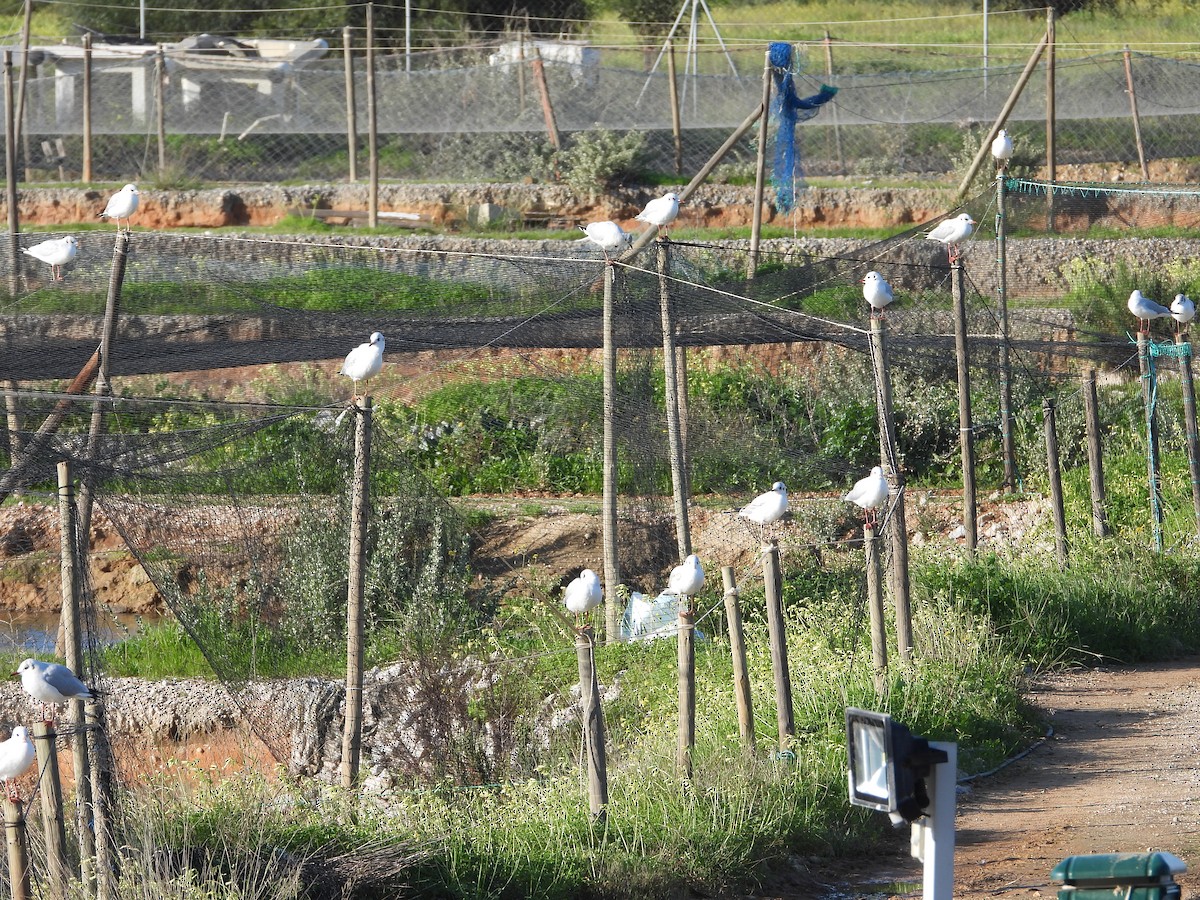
(608, 236)
(660, 211)
(1183, 310)
(766, 509)
(1145, 309)
(870, 493)
(687, 578)
(1002, 149)
(364, 361)
(122, 205)
(583, 595)
(50, 684)
(55, 253)
(876, 291)
(16, 756)
(950, 232)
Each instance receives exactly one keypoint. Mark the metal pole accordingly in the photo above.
(1091, 410)
(85, 173)
(1137, 122)
(351, 107)
(612, 559)
(359, 513)
(372, 125)
(1189, 418)
(1054, 470)
(965, 427)
(673, 93)
(741, 669)
(1152, 466)
(760, 172)
(683, 533)
(1008, 446)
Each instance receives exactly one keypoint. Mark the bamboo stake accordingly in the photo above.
(1091, 410)
(612, 558)
(351, 105)
(760, 173)
(85, 171)
(359, 513)
(1189, 418)
(741, 668)
(593, 724)
(683, 534)
(966, 435)
(1153, 477)
(777, 636)
(673, 94)
(17, 841)
(1008, 446)
(1133, 109)
(686, 657)
(1054, 470)
(50, 789)
(875, 605)
(372, 125)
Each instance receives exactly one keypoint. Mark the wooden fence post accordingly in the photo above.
(686, 656)
(85, 166)
(612, 558)
(50, 789)
(777, 635)
(1133, 109)
(683, 534)
(676, 124)
(160, 108)
(593, 724)
(833, 107)
(875, 605)
(1008, 446)
(1184, 348)
(10, 174)
(1054, 470)
(359, 514)
(351, 104)
(966, 435)
(760, 172)
(17, 842)
(1153, 478)
(741, 669)
(1091, 411)
(539, 79)
(372, 125)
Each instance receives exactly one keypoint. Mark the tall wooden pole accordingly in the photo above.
(1054, 471)
(965, 426)
(1133, 109)
(539, 78)
(683, 533)
(612, 558)
(10, 174)
(372, 125)
(593, 724)
(777, 637)
(22, 132)
(686, 657)
(1154, 481)
(681, 391)
(833, 107)
(1008, 444)
(875, 605)
(889, 455)
(1189, 418)
(676, 123)
(85, 167)
(17, 843)
(351, 105)
(50, 789)
(1051, 118)
(1091, 411)
(160, 108)
(359, 512)
(760, 172)
(741, 669)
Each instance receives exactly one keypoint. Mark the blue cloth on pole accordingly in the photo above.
(790, 110)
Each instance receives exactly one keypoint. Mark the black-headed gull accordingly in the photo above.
(16, 757)
(608, 236)
(660, 211)
(876, 291)
(122, 205)
(870, 493)
(1183, 310)
(950, 232)
(55, 253)
(1002, 148)
(583, 595)
(1145, 309)
(364, 361)
(687, 578)
(50, 684)
(768, 508)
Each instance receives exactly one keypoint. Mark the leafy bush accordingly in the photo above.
(597, 160)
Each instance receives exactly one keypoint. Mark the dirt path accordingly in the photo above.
(1120, 772)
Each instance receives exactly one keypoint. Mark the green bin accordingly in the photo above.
(1119, 876)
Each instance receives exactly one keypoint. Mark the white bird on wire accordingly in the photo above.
(660, 211)
(51, 684)
(55, 253)
(767, 509)
(952, 231)
(687, 578)
(876, 291)
(364, 361)
(608, 236)
(1183, 310)
(870, 493)
(583, 595)
(1145, 309)
(122, 205)
(1002, 149)
(16, 757)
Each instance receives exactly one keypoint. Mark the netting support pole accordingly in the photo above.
(833, 107)
(888, 458)
(1091, 413)
(1054, 472)
(966, 433)
(593, 724)
(1051, 119)
(17, 841)
(777, 637)
(357, 568)
(10, 176)
(22, 88)
(673, 94)
(539, 78)
(683, 533)
(351, 109)
(760, 173)
(875, 607)
(73, 656)
(101, 760)
(1189, 417)
(50, 789)
(741, 668)
(1133, 110)
(1153, 478)
(85, 165)
(372, 125)
(1008, 447)
(686, 657)
(612, 557)
(160, 108)
(681, 392)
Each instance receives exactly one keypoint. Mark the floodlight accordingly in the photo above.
(888, 765)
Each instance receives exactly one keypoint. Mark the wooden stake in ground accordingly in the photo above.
(1184, 349)
(593, 724)
(1137, 121)
(687, 687)
(1008, 447)
(760, 173)
(1054, 470)
(965, 426)
(875, 607)
(539, 79)
(741, 669)
(1153, 477)
(160, 109)
(351, 105)
(372, 125)
(17, 842)
(85, 170)
(10, 175)
(50, 789)
(673, 93)
(1091, 410)
(683, 533)
(359, 512)
(612, 560)
(777, 635)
